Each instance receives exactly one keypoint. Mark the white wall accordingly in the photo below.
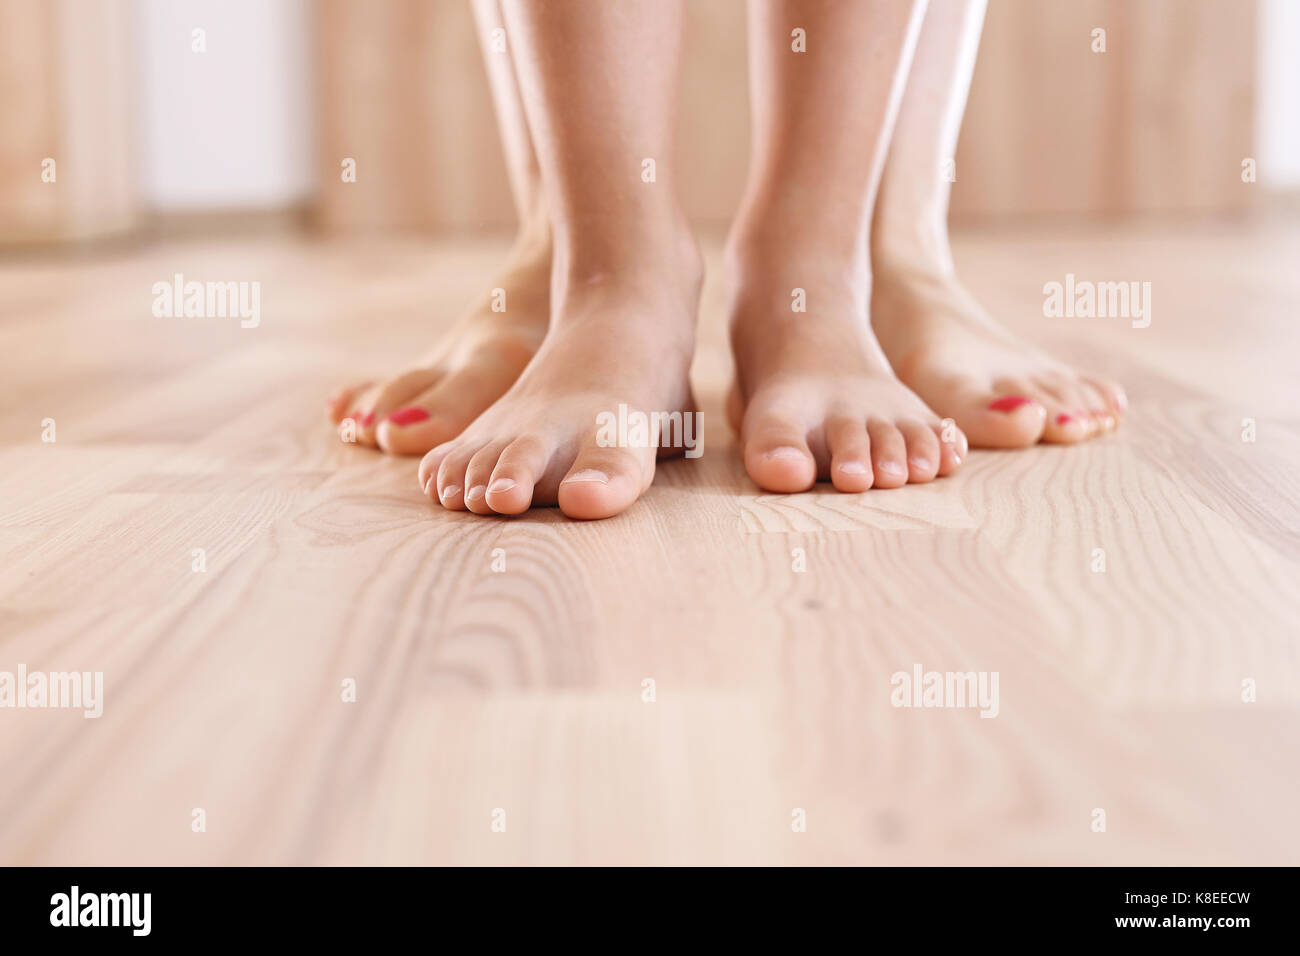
(1279, 94)
(232, 127)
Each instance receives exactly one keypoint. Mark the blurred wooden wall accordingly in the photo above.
(66, 95)
(1159, 122)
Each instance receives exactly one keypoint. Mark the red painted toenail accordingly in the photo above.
(363, 420)
(1064, 419)
(1008, 403)
(408, 416)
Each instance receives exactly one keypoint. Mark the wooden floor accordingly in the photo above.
(522, 690)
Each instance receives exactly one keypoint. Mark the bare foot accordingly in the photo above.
(622, 337)
(814, 394)
(471, 367)
(1003, 392)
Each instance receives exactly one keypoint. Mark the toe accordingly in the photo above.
(378, 403)
(953, 446)
(1100, 407)
(1065, 427)
(1005, 417)
(521, 465)
(850, 450)
(341, 400)
(777, 456)
(1068, 418)
(450, 481)
(443, 411)
(1112, 394)
(922, 450)
(478, 473)
(428, 470)
(605, 481)
(888, 454)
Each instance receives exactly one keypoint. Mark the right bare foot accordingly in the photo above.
(814, 394)
(619, 336)
(473, 365)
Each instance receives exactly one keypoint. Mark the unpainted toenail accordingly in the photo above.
(920, 464)
(475, 493)
(450, 490)
(501, 485)
(785, 453)
(854, 468)
(588, 474)
(892, 468)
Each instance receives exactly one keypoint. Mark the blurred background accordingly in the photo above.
(163, 114)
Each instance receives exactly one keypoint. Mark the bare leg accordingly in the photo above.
(1001, 391)
(599, 82)
(481, 357)
(815, 394)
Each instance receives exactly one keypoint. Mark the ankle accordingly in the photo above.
(533, 246)
(903, 246)
(659, 253)
(776, 278)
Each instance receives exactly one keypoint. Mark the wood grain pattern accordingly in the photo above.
(522, 690)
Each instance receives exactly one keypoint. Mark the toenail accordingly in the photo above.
(854, 468)
(891, 468)
(785, 453)
(475, 493)
(427, 482)
(450, 490)
(1064, 419)
(589, 474)
(408, 416)
(500, 485)
(363, 420)
(1121, 402)
(1009, 403)
(920, 464)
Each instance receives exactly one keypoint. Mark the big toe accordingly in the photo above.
(997, 419)
(604, 481)
(777, 456)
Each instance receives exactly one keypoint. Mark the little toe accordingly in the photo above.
(1100, 407)
(953, 446)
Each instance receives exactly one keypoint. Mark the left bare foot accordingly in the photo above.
(1003, 392)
